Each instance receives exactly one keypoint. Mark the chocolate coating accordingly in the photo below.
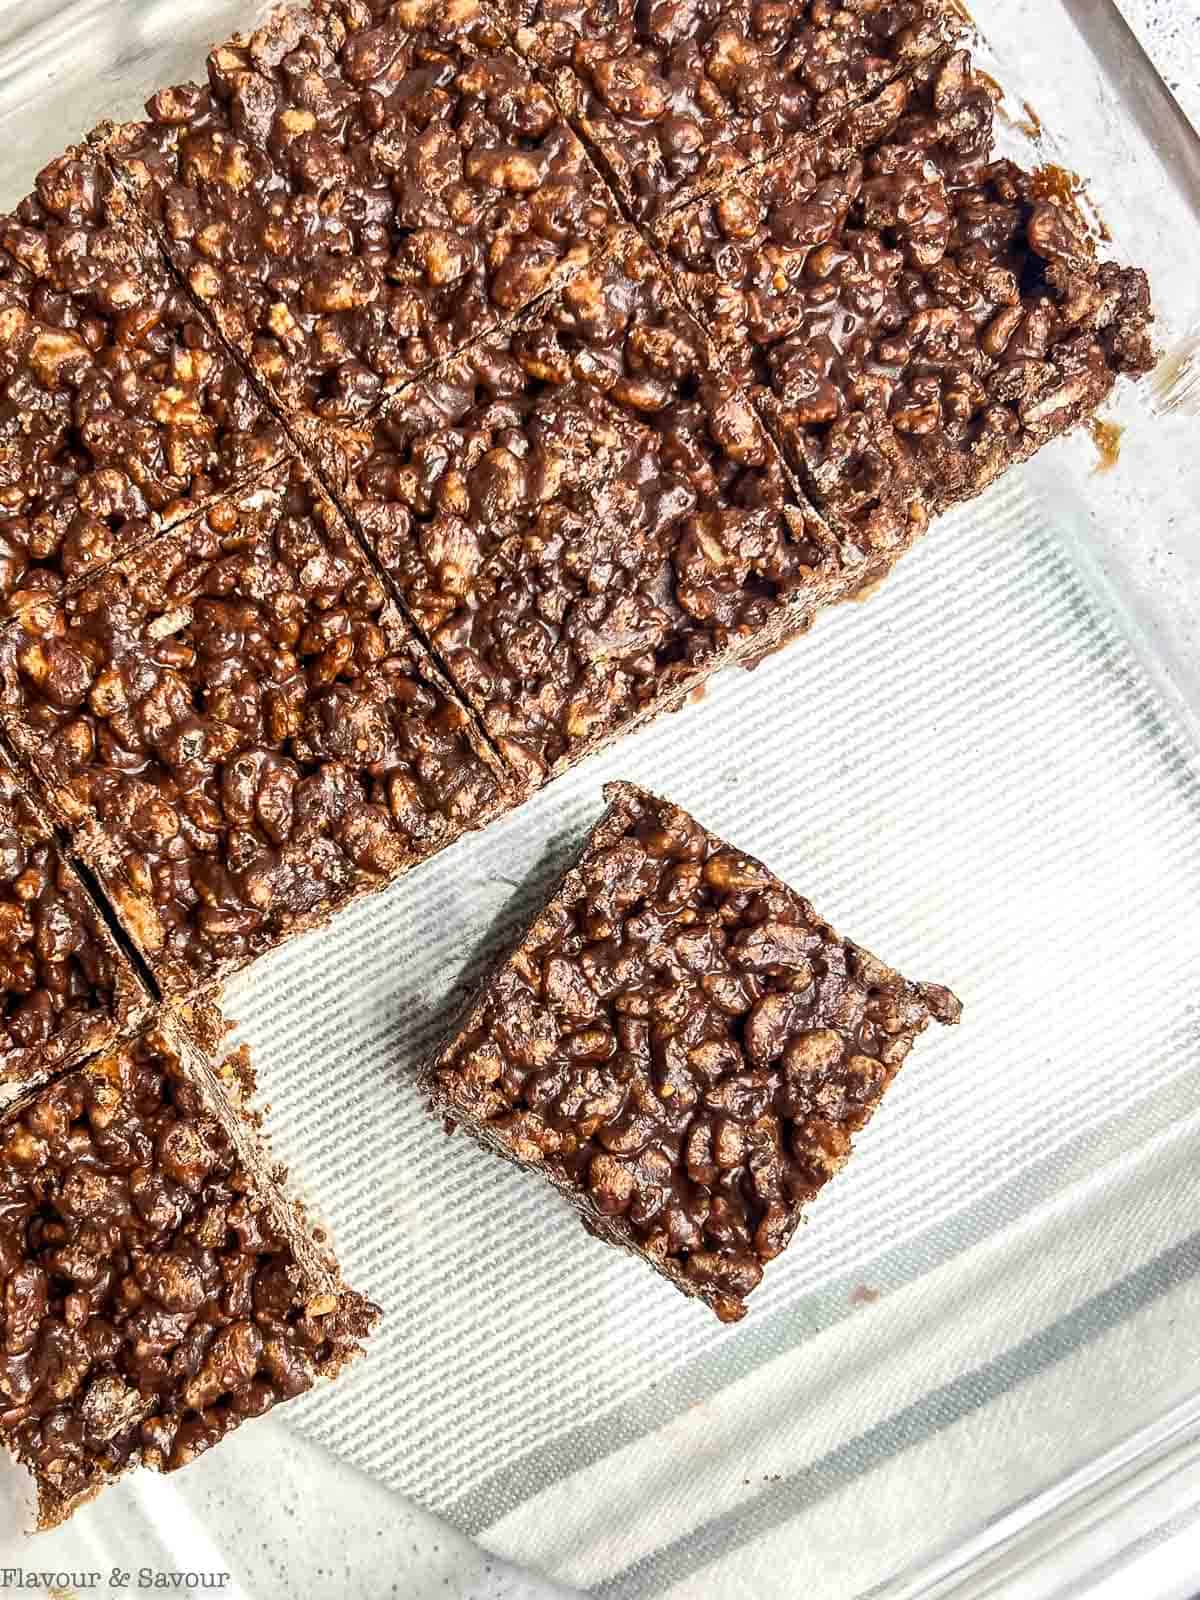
(356, 193)
(676, 94)
(910, 315)
(119, 409)
(65, 987)
(241, 729)
(157, 1293)
(683, 1047)
(583, 515)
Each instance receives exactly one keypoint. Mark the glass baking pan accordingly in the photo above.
(976, 1370)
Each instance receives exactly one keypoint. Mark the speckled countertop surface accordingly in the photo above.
(1170, 33)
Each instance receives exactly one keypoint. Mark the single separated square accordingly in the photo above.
(119, 409)
(241, 730)
(585, 516)
(66, 989)
(911, 315)
(160, 1287)
(360, 189)
(675, 95)
(682, 1046)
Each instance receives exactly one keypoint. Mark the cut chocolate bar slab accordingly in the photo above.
(911, 316)
(360, 189)
(119, 409)
(160, 1287)
(585, 516)
(676, 94)
(683, 1046)
(241, 730)
(65, 988)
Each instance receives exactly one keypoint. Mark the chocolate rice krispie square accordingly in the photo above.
(241, 731)
(120, 410)
(682, 1046)
(676, 95)
(585, 516)
(161, 1287)
(359, 189)
(911, 314)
